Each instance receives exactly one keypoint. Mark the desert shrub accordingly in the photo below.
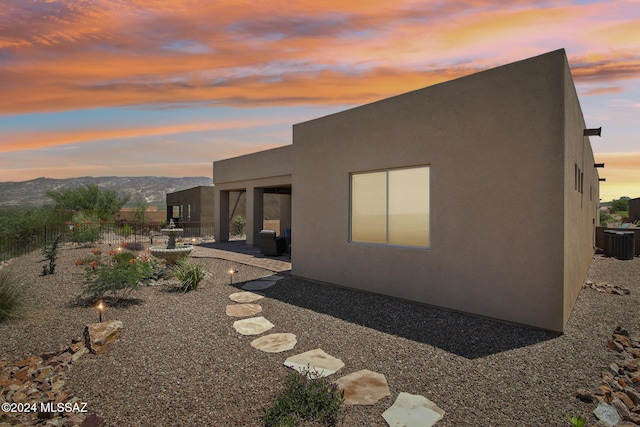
(306, 396)
(189, 274)
(237, 225)
(84, 228)
(51, 254)
(578, 421)
(125, 231)
(13, 298)
(118, 277)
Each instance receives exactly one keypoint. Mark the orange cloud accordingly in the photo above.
(19, 141)
(66, 55)
(604, 90)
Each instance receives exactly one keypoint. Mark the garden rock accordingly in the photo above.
(245, 297)
(40, 380)
(607, 413)
(317, 359)
(243, 310)
(99, 336)
(275, 343)
(412, 410)
(363, 387)
(619, 392)
(604, 287)
(252, 326)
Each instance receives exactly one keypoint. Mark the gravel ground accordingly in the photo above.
(179, 361)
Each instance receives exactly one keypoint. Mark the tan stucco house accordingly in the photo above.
(478, 195)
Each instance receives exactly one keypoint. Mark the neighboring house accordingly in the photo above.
(478, 195)
(192, 208)
(151, 214)
(634, 209)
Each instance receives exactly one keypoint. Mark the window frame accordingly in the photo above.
(387, 218)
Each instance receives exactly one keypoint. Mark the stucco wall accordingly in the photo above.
(494, 143)
(263, 164)
(580, 207)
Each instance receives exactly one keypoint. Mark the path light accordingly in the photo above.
(100, 307)
(193, 241)
(231, 272)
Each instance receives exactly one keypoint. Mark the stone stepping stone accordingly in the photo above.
(245, 297)
(363, 387)
(275, 343)
(258, 285)
(272, 278)
(412, 410)
(243, 310)
(252, 326)
(317, 360)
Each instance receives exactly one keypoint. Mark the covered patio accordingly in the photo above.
(256, 175)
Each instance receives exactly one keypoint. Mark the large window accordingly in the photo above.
(391, 207)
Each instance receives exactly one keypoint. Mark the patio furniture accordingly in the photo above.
(270, 244)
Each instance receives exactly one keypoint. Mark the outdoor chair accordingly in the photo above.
(270, 244)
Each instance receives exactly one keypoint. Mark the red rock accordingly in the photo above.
(625, 399)
(99, 336)
(33, 360)
(21, 374)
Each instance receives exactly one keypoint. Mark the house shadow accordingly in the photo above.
(458, 333)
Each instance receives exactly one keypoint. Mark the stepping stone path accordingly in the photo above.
(317, 359)
(363, 387)
(411, 410)
(360, 388)
(245, 297)
(275, 343)
(243, 310)
(252, 326)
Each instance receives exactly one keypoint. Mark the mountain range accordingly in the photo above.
(152, 189)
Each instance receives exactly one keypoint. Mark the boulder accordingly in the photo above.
(99, 336)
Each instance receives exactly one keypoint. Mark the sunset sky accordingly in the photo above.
(165, 87)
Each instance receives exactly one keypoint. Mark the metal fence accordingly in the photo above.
(106, 233)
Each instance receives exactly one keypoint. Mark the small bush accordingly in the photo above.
(12, 296)
(119, 277)
(578, 421)
(306, 396)
(85, 228)
(51, 254)
(125, 231)
(237, 225)
(189, 274)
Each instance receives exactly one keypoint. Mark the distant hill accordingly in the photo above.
(152, 188)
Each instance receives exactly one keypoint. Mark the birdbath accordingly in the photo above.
(172, 252)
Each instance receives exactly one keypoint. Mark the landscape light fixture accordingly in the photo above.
(100, 307)
(593, 132)
(598, 165)
(231, 272)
